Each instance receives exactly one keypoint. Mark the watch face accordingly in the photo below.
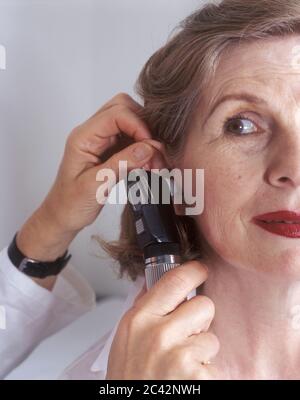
(41, 269)
(24, 264)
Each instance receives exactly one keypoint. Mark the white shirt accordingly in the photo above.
(29, 313)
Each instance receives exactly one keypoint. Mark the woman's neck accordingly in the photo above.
(257, 322)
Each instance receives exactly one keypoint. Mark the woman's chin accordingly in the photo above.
(283, 262)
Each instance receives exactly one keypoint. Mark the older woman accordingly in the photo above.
(244, 132)
(221, 95)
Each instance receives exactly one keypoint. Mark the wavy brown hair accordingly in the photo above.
(171, 84)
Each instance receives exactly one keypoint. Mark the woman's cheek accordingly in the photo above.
(220, 221)
(222, 232)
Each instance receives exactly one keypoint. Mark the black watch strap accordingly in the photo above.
(35, 268)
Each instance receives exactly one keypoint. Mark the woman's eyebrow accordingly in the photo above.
(246, 97)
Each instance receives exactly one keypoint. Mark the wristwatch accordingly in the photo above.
(35, 268)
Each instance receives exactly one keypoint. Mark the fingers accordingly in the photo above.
(191, 317)
(205, 346)
(96, 180)
(89, 141)
(136, 156)
(120, 98)
(193, 355)
(159, 159)
(112, 128)
(94, 135)
(173, 288)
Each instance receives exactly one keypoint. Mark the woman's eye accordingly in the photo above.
(240, 126)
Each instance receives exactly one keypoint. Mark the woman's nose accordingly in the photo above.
(284, 167)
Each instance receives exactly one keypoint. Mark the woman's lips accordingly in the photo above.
(283, 223)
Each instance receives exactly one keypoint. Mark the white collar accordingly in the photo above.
(100, 364)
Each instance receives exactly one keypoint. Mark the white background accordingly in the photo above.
(64, 60)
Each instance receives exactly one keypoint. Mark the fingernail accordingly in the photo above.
(141, 152)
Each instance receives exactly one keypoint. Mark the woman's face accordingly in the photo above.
(251, 163)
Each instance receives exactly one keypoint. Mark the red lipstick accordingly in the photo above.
(283, 223)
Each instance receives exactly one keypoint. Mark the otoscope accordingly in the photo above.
(154, 216)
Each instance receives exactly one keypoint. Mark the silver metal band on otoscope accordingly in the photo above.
(156, 267)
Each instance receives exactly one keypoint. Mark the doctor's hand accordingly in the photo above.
(71, 203)
(162, 336)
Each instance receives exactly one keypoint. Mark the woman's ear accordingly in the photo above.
(178, 201)
(161, 160)
(179, 209)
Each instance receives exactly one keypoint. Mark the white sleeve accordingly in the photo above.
(29, 313)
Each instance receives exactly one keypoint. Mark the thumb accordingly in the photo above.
(136, 155)
(140, 294)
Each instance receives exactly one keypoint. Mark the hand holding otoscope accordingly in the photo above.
(155, 221)
(155, 338)
(164, 335)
